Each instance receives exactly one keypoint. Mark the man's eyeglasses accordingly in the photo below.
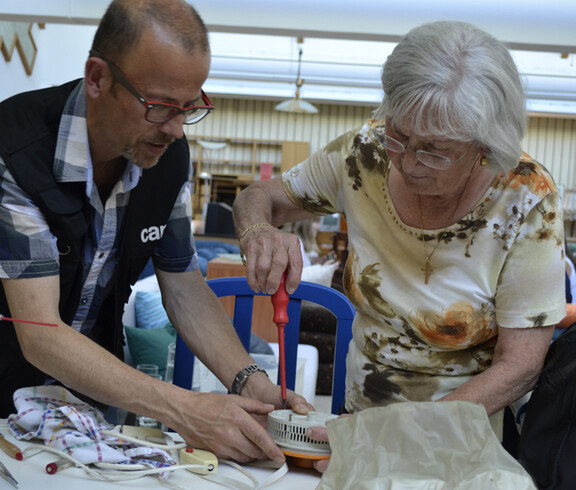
(160, 112)
(433, 160)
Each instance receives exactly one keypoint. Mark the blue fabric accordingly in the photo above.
(259, 346)
(229, 248)
(208, 253)
(203, 265)
(207, 250)
(210, 249)
(148, 270)
(149, 311)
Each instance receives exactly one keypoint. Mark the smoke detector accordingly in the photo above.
(288, 429)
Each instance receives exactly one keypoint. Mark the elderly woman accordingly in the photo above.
(456, 261)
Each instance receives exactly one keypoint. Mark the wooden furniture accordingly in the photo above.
(224, 166)
(293, 152)
(262, 324)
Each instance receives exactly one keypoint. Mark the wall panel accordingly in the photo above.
(551, 141)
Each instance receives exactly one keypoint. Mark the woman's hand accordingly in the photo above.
(269, 252)
(258, 210)
(320, 434)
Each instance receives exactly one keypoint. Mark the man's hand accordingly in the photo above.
(225, 425)
(261, 388)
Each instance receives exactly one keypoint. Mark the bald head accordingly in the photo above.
(126, 21)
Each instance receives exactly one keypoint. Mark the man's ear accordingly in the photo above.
(97, 77)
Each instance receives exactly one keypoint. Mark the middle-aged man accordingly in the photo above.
(86, 169)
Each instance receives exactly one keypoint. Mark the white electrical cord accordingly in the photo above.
(126, 472)
(234, 483)
(149, 442)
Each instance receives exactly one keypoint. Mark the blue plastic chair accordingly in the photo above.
(330, 298)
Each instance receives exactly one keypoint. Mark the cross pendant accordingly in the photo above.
(427, 269)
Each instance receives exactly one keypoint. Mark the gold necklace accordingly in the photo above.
(427, 269)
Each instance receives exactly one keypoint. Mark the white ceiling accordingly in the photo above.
(254, 42)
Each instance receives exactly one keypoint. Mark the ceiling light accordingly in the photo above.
(212, 145)
(297, 105)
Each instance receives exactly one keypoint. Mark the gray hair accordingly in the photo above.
(457, 82)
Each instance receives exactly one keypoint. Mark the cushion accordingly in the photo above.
(222, 246)
(324, 380)
(324, 342)
(209, 253)
(259, 346)
(203, 265)
(320, 273)
(316, 318)
(150, 346)
(210, 249)
(149, 311)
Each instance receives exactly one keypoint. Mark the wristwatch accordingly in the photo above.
(242, 377)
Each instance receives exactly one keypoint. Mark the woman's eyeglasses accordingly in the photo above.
(433, 160)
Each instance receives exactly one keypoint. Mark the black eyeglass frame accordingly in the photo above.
(151, 104)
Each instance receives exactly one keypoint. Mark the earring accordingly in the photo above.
(484, 161)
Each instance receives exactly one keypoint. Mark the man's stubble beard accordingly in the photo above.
(132, 154)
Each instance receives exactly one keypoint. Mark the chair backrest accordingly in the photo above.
(327, 297)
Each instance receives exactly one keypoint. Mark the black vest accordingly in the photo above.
(28, 130)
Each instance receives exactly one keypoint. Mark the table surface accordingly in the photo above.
(31, 475)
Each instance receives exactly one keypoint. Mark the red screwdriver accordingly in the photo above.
(280, 304)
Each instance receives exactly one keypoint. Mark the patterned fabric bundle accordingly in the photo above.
(64, 422)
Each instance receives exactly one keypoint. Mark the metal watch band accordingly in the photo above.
(242, 377)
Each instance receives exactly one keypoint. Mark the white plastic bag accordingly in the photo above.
(420, 446)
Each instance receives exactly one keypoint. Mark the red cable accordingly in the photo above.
(5, 318)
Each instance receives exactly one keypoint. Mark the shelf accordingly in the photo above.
(237, 159)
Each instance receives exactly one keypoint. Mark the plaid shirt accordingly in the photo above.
(36, 253)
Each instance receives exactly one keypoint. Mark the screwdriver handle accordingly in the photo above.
(280, 303)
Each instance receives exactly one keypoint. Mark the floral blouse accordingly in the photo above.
(500, 266)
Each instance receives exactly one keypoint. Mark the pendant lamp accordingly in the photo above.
(297, 105)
